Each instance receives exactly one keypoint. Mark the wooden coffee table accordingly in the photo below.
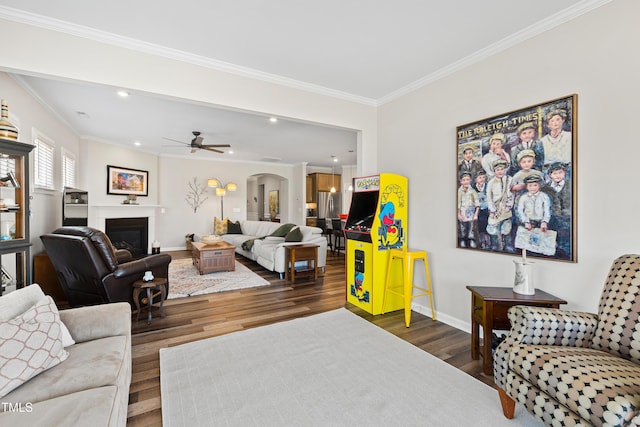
(211, 258)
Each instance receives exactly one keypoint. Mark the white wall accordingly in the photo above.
(46, 206)
(97, 155)
(591, 56)
(178, 219)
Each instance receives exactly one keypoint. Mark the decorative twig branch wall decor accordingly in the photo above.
(195, 195)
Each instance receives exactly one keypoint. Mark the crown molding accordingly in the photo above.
(53, 24)
(514, 39)
(527, 33)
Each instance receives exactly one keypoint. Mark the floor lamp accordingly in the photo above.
(221, 190)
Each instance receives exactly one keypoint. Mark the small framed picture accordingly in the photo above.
(125, 181)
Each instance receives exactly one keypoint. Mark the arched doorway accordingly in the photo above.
(267, 197)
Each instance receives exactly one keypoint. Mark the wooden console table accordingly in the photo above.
(489, 306)
(301, 253)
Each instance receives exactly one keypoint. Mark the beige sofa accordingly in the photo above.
(90, 387)
(269, 252)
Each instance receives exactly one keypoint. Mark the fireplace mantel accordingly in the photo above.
(99, 213)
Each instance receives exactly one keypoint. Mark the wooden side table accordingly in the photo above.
(301, 253)
(158, 284)
(489, 306)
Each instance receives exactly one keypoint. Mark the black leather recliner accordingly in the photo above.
(91, 271)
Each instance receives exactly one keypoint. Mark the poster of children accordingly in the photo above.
(516, 181)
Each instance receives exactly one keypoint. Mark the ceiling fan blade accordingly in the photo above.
(216, 145)
(208, 148)
(175, 140)
(193, 150)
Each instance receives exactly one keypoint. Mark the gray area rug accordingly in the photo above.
(330, 369)
(184, 279)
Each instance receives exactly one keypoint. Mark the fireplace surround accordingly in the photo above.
(98, 215)
(131, 234)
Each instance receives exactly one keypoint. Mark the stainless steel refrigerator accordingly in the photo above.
(329, 204)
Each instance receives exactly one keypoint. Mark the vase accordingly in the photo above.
(523, 282)
(7, 130)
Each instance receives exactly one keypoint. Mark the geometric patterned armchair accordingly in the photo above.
(572, 368)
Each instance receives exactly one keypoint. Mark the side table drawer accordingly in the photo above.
(477, 305)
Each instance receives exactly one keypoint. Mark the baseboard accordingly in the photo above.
(451, 321)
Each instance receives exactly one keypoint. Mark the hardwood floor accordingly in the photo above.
(195, 318)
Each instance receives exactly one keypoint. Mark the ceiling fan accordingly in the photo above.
(196, 144)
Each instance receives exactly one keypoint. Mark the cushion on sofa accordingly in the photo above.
(17, 302)
(234, 227)
(295, 235)
(220, 226)
(30, 344)
(91, 364)
(85, 408)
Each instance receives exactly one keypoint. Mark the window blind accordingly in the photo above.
(68, 170)
(43, 163)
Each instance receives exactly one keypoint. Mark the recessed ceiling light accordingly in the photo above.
(137, 143)
(273, 119)
(123, 93)
(230, 152)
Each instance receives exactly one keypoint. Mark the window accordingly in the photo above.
(68, 169)
(43, 161)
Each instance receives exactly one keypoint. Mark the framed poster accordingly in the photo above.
(516, 181)
(127, 181)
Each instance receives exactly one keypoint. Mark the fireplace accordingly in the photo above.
(131, 234)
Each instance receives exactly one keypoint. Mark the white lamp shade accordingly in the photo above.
(232, 186)
(213, 182)
(220, 191)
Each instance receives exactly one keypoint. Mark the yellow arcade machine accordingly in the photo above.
(377, 222)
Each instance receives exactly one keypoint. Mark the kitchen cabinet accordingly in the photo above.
(324, 182)
(311, 190)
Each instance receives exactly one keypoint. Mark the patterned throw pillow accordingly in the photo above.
(29, 344)
(220, 226)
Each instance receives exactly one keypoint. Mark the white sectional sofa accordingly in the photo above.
(269, 252)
